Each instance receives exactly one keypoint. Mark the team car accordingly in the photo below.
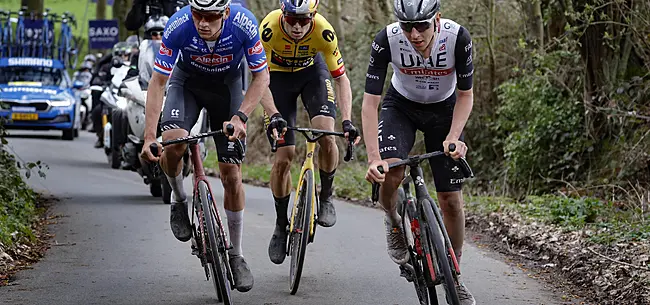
(37, 94)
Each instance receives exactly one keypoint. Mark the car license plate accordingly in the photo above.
(24, 116)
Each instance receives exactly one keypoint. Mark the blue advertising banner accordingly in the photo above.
(102, 34)
(34, 30)
(108, 2)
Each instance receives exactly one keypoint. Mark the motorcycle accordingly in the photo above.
(112, 100)
(128, 125)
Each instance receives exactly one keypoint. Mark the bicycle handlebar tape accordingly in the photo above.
(452, 147)
(375, 191)
(230, 129)
(154, 149)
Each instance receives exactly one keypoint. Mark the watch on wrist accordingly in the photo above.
(242, 116)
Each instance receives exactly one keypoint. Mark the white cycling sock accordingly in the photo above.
(176, 183)
(235, 230)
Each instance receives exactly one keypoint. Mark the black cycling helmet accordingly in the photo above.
(415, 10)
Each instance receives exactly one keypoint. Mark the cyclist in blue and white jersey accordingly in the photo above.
(209, 38)
(430, 91)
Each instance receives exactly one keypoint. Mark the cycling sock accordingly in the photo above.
(176, 184)
(326, 180)
(281, 211)
(235, 230)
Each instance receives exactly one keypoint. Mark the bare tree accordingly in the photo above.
(101, 10)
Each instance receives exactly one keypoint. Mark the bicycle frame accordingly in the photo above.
(307, 164)
(199, 175)
(422, 193)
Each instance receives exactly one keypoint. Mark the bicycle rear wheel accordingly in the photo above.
(436, 241)
(410, 227)
(299, 236)
(215, 246)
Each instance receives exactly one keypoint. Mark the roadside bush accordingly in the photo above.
(17, 199)
(540, 126)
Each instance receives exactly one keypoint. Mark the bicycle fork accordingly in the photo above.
(307, 164)
(422, 192)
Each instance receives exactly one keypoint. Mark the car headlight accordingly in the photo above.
(60, 100)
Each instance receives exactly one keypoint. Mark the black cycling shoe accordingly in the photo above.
(99, 143)
(241, 274)
(326, 213)
(180, 221)
(278, 245)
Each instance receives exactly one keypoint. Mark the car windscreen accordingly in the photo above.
(47, 76)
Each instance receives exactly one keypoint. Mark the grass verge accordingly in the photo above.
(349, 183)
(604, 222)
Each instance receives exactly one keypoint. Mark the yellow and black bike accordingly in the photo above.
(302, 224)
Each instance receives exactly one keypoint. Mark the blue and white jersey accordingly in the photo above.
(239, 38)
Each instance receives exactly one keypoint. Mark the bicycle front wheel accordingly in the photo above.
(443, 259)
(410, 227)
(217, 258)
(299, 236)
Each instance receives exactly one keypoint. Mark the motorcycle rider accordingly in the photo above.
(149, 47)
(120, 55)
(142, 10)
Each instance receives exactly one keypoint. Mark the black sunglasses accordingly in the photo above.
(421, 26)
(156, 33)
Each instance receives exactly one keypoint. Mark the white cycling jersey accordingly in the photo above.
(419, 79)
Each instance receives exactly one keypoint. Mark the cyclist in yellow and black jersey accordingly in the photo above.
(292, 37)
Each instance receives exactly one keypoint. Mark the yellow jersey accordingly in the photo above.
(284, 54)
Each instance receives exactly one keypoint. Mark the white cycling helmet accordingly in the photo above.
(210, 5)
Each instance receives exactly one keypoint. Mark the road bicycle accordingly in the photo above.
(432, 260)
(22, 45)
(67, 47)
(209, 241)
(6, 33)
(46, 47)
(302, 224)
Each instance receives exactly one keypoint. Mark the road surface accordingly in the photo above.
(114, 246)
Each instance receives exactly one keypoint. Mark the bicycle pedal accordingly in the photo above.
(407, 272)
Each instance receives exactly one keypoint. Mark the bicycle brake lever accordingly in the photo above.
(375, 192)
(349, 154)
(375, 186)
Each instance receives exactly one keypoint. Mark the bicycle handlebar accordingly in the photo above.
(239, 147)
(464, 166)
(317, 134)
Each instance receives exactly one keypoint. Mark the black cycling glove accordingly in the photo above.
(277, 123)
(352, 131)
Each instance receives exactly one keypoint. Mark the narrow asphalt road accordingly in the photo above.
(113, 245)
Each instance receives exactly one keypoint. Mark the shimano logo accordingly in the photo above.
(175, 24)
(41, 62)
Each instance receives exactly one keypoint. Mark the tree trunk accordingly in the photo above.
(35, 6)
(120, 10)
(101, 10)
(491, 45)
(538, 24)
(335, 19)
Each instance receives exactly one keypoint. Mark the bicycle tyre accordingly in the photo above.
(215, 244)
(419, 280)
(299, 237)
(444, 263)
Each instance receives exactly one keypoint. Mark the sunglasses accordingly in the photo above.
(208, 17)
(421, 26)
(156, 33)
(292, 20)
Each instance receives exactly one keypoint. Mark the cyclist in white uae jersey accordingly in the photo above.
(431, 91)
